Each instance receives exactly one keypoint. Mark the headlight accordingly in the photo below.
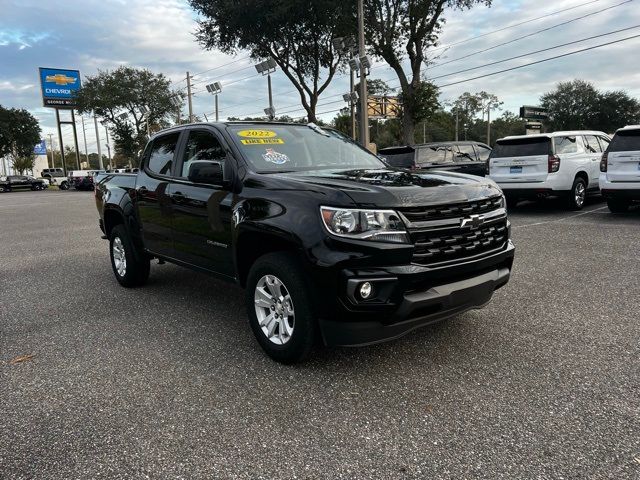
(375, 225)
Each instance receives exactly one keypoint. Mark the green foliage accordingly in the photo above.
(297, 34)
(400, 32)
(121, 97)
(19, 133)
(22, 164)
(578, 105)
(422, 103)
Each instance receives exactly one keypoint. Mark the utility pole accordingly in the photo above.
(364, 104)
(272, 115)
(53, 164)
(488, 125)
(95, 122)
(84, 134)
(106, 132)
(189, 98)
(457, 120)
(424, 131)
(352, 105)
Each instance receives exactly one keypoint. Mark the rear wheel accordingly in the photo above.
(617, 205)
(64, 186)
(4, 188)
(577, 194)
(130, 271)
(281, 308)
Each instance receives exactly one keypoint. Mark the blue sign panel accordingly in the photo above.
(40, 148)
(59, 87)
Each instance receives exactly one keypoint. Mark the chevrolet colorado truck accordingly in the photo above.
(328, 241)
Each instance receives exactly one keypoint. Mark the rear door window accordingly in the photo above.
(466, 153)
(522, 147)
(626, 141)
(565, 145)
(591, 144)
(162, 153)
(435, 154)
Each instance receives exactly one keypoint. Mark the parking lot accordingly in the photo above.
(167, 381)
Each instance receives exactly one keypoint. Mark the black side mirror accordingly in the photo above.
(206, 171)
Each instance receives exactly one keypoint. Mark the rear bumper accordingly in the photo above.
(410, 307)
(626, 194)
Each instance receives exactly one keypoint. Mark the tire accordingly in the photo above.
(3, 189)
(64, 186)
(129, 270)
(291, 340)
(577, 194)
(617, 205)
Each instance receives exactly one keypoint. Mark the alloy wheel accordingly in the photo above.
(119, 257)
(580, 194)
(274, 309)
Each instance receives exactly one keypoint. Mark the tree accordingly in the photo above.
(617, 109)
(572, 105)
(297, 34)
(401, 29)
(122, 96)
(19, 133)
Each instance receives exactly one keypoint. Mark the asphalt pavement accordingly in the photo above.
(167, 381)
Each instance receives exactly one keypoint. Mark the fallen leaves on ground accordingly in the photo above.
(21, 358)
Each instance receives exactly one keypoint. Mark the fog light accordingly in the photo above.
(365, 290)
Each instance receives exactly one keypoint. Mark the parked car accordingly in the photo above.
(45, 181)
(325, 238)
(81, 179)
(562, 164)
(620, 169)
(20, 182)
(56, 177)
(463, 157)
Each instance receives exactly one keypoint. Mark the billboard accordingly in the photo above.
(59, 87)
(40, 148)
(533, 113)
(383, 107)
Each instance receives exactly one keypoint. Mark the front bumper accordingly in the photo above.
(414, 297)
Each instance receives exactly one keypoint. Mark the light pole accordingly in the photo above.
(267, 67)
(365, 64)
(106, 132)
(349, 45)
(146, 114)
(84, 135)
(53, 164)
(214, 89)
(95, 122)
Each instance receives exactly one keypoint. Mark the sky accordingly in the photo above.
(92, 35)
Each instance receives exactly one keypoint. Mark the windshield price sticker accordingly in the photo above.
(272, 156)
(256, 133)
(262, 141)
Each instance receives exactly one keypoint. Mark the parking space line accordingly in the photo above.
(559, 219)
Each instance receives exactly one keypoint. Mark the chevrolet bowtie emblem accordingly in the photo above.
(472, 222)
(61, 79)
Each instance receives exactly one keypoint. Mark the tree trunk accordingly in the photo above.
(408, 130)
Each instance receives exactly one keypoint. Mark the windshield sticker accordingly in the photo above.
(275, 157)
(262, 141)
(256, 133)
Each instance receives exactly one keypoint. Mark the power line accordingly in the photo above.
(536, 52)
(541, 61)
(531, 34)
(513, 25)
(223, 65)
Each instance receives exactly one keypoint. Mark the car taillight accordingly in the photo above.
(554, 163)
(604, 161)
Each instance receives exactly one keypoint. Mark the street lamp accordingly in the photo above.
(214, 89)
(267, 67)
(348, 45)
(106, 132)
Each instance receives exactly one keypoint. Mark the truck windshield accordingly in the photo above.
(522, 147)
(278, 148)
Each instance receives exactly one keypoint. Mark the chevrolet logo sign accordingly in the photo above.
(472, 222)
(61, 79)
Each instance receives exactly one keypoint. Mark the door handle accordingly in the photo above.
(178, 197)
(142, 190)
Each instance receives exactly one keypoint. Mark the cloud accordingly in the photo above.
(95, 35)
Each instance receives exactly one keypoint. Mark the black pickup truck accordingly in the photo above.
(328, 241)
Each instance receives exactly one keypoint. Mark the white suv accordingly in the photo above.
(620, 169)
(551, 164)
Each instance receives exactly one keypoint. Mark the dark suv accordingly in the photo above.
(463, 157)
(327, 240)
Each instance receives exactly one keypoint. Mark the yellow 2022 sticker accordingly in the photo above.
(256, 133)
(262, 141)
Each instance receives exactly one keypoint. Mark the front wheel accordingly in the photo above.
(280, 307)
(617, 205)
(130, 270)
(4, 188)
(577, 194)
(64, 186)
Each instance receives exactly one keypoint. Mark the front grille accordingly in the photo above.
(455, 244)
(441, 212)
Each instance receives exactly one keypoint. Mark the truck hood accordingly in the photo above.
(393, 188)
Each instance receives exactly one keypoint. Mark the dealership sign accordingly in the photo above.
(534, 113)
(59, 87)
(40, 148)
